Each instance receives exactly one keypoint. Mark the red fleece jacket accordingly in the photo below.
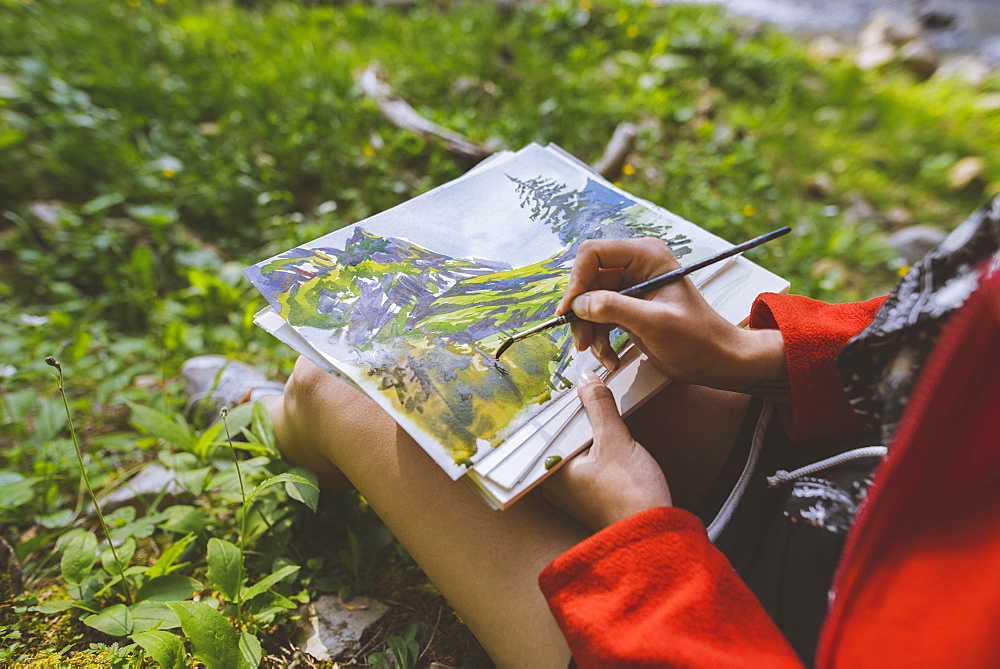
(918, 583)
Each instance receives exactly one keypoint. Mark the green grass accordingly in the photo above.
(149, 150)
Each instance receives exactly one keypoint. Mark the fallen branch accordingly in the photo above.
(616, 152)
(399, 112)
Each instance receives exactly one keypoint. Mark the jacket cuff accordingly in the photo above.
(814, 333)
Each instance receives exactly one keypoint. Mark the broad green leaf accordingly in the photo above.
(114, 620)
(275, 480)
(250, 647)
(79, 556)
(165, 563)
(193, 480)
(266, 582)
(307, 494)
(125, 552)
(17, 492)
(150, 615)
(166, 648)
(206, 443)
(169, 588)
(225, 567)
(56, 606)
(263, 429)
(378, 661)
(213, 639)
(179, 461)
(172, 429)
(102, 202)
(183, 518)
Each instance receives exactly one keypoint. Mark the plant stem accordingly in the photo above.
(86, 479)
(243, 518)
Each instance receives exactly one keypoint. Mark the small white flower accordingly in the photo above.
(7, 371)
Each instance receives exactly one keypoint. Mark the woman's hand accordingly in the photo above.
(674, 326)
(616, 477)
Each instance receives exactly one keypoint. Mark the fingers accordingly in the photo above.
(603, 306)
(609, 428)
(613, 264)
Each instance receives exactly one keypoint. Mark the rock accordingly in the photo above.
(899, 217)
(825, 47)
(151, 480)
(884, 33)
(874, 56)
(965, 171)
(858, 208)
(989, 102)
(914, 242)
(919, 57)
(820, 185)
(329, 628)
(968, 68)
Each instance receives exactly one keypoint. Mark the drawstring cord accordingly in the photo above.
(782, 476)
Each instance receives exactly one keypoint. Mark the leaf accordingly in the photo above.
(114, 620)
(193, 480)
(275, 480)
(166, 648)
(125, 553)
(204, 446)
(169, 588)
(79, 556)
(378, 661)
(102, 202)
(265, 583)
(150, 615)
(165, 563)
(213, 639)
(225, 567)
(171, 429)
(250, 647)
(183, 518)
(263, 428)
(307, 494)
(56, 606)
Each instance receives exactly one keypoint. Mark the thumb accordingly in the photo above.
(605, 420)
(605, 306)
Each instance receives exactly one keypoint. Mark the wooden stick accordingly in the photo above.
(399, 112)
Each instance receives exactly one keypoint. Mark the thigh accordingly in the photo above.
(484, 562)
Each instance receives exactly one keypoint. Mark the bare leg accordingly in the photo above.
(484, 562)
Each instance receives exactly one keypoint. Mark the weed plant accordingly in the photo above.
(149, 150)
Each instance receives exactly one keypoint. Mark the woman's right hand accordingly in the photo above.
(673, 325)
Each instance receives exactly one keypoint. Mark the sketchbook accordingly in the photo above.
(411, 305)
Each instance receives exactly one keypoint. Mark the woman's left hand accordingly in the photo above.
(616, 477)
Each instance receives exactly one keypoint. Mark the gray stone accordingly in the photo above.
(329, 628)
(914, 242)
(919, 57)
(965, 171)
(151, 480)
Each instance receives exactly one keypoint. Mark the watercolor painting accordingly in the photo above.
(413, 303)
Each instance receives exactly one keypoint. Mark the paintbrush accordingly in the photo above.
(646, 286)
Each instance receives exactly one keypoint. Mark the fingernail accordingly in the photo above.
(579, 305)
(587, 377)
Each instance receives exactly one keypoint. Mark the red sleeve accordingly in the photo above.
(652, 590)
(814, 332)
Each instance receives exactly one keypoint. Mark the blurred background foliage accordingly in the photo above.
(151, 149)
